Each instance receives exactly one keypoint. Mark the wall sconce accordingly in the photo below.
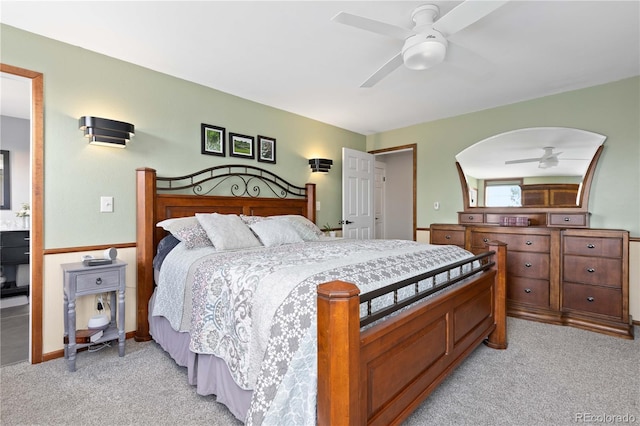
(320, 165)
(105, 132)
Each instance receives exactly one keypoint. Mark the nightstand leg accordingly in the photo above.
(121, 334)
(71, 314)
(65, 310)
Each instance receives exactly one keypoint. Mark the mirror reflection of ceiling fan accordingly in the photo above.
(548, 159)
(426, 44)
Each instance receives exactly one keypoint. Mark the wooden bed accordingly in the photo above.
(377, 375)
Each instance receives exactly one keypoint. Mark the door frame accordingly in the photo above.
(414, 149)
(37, 205)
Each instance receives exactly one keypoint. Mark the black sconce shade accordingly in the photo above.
(320, 164)
(102, 131)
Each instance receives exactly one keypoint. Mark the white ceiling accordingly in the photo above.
(291, 56)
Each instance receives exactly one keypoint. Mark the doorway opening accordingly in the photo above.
(35, 195)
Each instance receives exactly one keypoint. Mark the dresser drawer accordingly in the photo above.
(442, 236)
(470, 218)
(592, 299)
(528, 291)
(14, 239)
(529, 265)
(592, 270)
(593, 246)
(515, 242)
(98, 281)
(568, 220)
(14, 255)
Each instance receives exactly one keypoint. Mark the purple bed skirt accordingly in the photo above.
(208, 373)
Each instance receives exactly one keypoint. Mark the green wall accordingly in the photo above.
(167, 113)
(611, 109)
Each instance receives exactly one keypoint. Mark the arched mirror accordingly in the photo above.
(540, 167)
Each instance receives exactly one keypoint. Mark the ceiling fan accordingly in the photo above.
(426, 44)
(548, 159)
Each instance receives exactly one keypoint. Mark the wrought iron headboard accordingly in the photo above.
(243, 180)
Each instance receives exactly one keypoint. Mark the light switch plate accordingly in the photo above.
(106, 204)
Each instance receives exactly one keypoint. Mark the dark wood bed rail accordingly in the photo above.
(380, 375)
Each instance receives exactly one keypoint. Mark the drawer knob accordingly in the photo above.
(590, 299)
(447, 237)
(470, 217)
(591, 270)
(528, 265)
(528, 243)
(527, 290)
(486, 240)
(591, 246)
(567, 219)
(98, 281)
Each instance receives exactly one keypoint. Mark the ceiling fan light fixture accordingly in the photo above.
(423, 51)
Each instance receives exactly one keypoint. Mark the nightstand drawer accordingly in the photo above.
(592, 299)
(98, 281)
(592, 270)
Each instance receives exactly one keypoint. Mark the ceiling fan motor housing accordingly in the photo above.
(423, 51)
(428, 47)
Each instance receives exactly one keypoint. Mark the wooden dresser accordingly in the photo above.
(569, 276)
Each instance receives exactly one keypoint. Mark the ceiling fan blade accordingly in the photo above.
(465, 14)
(524, 160)
(384, 71)
(373, 26)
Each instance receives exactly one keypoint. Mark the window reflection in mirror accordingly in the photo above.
(534, 157)
(5, 181)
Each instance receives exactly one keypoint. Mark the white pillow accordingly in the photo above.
(275, 232)
(308, 230)
(187, 230)
(227, 231)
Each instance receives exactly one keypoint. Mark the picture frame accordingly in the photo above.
(266, 149)
(213, 140)
(241, 145)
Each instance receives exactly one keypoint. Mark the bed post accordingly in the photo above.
(145, 213)
(338, 354)
(498, 338)
(311, 201)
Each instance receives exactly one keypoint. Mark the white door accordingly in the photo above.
(357, 194)
(379, 200)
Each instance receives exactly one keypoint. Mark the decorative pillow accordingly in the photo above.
(164, 247)
(227, 231)
(187, 230)
(308, 230)
(275, 232)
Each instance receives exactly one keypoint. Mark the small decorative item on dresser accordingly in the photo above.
(24, 213)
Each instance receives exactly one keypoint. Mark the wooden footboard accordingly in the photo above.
(380, 375)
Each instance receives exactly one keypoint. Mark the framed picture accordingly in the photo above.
(213, 142)
(241, 145)
(266, 149)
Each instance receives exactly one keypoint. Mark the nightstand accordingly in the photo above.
(81, 280)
